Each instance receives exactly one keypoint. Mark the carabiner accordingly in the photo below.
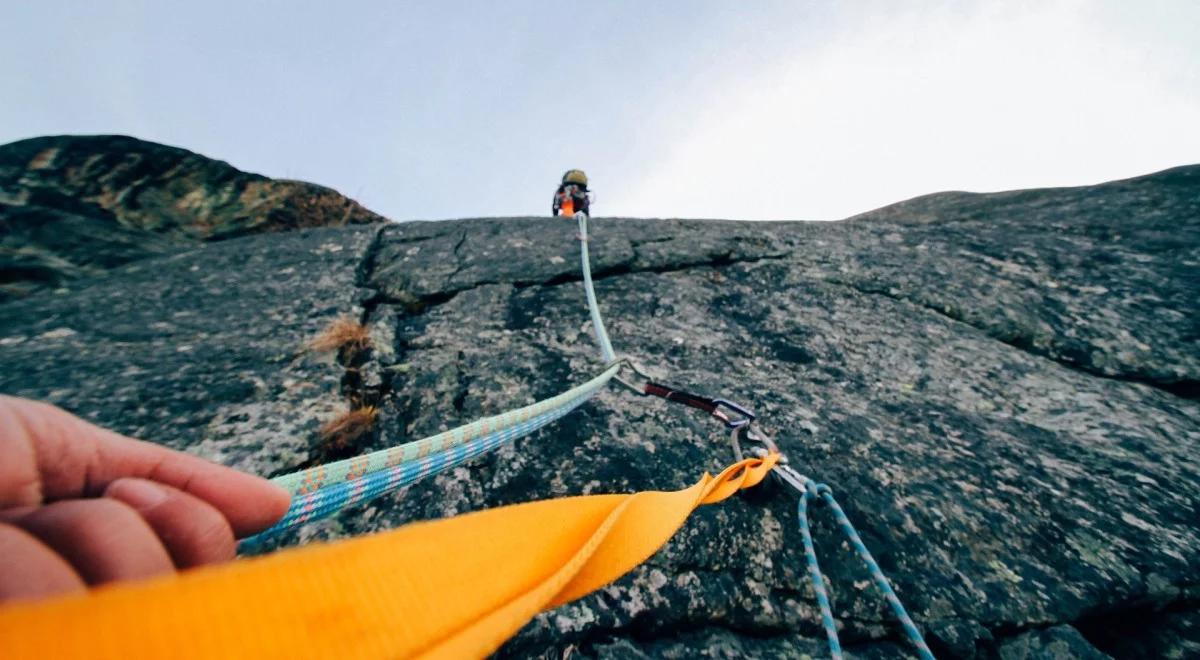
(718, 408)
(764, 446)
(747, 416)
(633, 366)
(707, 404)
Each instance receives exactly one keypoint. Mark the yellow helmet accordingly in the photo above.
(575, 176)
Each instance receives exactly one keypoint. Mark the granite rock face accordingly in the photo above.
(75, 206)
(1000, 389)
(201, 350)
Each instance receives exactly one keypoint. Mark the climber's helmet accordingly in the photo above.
(576, 177)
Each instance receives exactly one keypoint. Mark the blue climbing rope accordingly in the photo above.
(323, 502)
(818, 582)
(817, 491)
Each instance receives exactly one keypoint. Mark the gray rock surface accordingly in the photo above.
(1055, 643)
(203, 350)
(1001, 390)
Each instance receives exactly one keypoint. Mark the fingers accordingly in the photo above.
(20, 483)
(192, 530)
(162, 508)
(139, 530)
(103, 539)
(30, 569)
(50, 451)
(57, 455)
(249, 503)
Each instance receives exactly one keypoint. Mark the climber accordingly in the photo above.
(572, 194)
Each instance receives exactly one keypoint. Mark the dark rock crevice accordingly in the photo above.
(366, 267)
(1113, 629)
(464, 380)
(1120, 624)
(373, 298)
(413, 304)
(651, 241)
(718, 261)
(458, 260)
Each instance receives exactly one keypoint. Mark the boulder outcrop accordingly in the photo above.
(72, 207)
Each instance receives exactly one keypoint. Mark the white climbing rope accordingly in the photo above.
(606, 349)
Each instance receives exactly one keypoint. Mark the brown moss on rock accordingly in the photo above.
(341, 435)
(345, 335)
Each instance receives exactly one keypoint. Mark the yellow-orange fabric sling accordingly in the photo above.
(453, 588)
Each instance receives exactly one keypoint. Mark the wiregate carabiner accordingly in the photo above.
(626, 361)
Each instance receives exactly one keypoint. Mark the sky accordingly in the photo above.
(760, 109)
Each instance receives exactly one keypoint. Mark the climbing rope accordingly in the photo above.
(818, 583)
(606, 349)
(807, 489)
(322, 491)
(813, 491)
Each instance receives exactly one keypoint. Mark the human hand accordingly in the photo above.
(80, 505)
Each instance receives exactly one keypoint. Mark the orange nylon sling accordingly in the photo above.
(452, 588)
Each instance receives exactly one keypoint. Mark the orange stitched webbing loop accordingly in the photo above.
(451, 588)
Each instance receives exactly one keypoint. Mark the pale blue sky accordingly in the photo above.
(812, 110)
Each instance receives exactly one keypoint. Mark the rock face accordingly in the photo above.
(1000, 389)
(75, 206)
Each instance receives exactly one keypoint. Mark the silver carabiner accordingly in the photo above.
(636, 369)
(764, 446)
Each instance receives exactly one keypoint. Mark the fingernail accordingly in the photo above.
(139, 494)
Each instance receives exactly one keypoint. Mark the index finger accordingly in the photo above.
(55, 455)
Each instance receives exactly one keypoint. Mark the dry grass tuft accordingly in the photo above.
(347, 429)
(345, 335)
